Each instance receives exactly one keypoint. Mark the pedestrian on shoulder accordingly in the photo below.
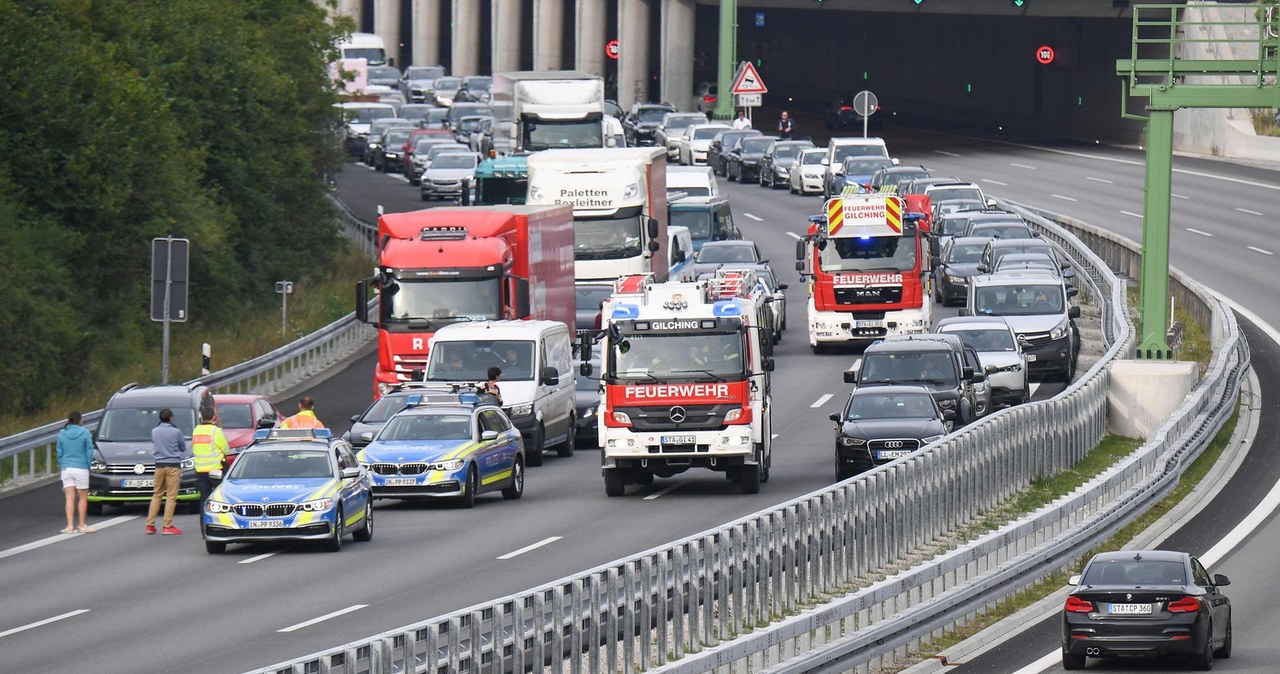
(75, 451)
(786, 127)
(168, 447)
(209, 451)
(741, 121)
(306, 416)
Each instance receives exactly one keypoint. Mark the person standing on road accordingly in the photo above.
(786, 127)
(741, 121)
(75, 451)
(305, 418)
(491, 385)
(168, 447)
(209, 451)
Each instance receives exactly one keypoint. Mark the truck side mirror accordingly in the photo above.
(653, 228)
(654, 245)
(800, 268)
(549, 376)
(521, 300)
(979, 377)
(1072, 292)
(585, 369)
(800, 250)
(967, 373)
(783, 286)
(766, 364)
(362, 299)
(1073, 312)
(850, 376)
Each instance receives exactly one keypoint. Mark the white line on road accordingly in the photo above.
(1259, 250)
(35, 545)
(1063, 197)
(1132, 214)
(1193, 230)
(516, 553)
(995, 182)
(327, 616)
(1131, 162)
(259, 558)
(1245, 210)
(1175, 195)
(1023, 166)
(1100, 180)
(795, 236)
(42, 623)
(754, 217)
(775, 436)
(658, 494)
(949, 154)
(822, 401)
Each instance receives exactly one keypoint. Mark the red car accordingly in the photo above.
(240, 415)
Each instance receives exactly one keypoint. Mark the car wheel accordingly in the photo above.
(535, 448)
(468, 498)
(565, 450)
(516, 489)
(423, 195)
(768, 463)
(614, 485)
(1072, 661)
(215, 547)
(1203, 661)
(95, 507)
(334, 544)
(365, 533)
(750, 476)
(1224, 651)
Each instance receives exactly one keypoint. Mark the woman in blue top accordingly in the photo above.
(75, 451)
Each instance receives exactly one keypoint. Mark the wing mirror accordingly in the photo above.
(834, 417)
(489, 435)
(982, 267)
(550, 376)
(850, 376)
(267, 422)
(585, 369)
(783, 286)
(1220, 580)
(1074, 580)
(767, 365)
(1072, 292)
(1073, 312)
(350, 473)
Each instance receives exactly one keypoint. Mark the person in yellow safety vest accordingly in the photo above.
(305, 418)
(209, 451)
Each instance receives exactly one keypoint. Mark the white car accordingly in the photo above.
(807, 173)
(696, 140)
(1000, 353)
(673, 124)
(693, 181)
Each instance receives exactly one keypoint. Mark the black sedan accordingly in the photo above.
(841, 115)
(641, 125)
(883, 423)
(956, 263)
(1147, 603)
(746, 158)
(586, 398)
(715, 254)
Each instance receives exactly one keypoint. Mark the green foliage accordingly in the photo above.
(127, 120)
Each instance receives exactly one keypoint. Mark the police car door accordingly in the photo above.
(354, 492)
(497, 454)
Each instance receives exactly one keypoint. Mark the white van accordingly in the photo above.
(538, 379)
(680, 255)
(838, 149)
(694, 181)
(364, 46)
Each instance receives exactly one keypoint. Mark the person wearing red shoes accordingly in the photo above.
(168, 447)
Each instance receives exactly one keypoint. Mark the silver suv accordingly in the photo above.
(999, 351)
(1037, 306)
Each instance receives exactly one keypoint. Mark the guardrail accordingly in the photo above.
(672, 602)
(30, 454)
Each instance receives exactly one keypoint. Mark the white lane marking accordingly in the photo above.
(1063, 197)
(1023, 166)
(753, 217)
(259, 558)
(822, 401)
(516, 553)
(1175, 195)
(327, 616)
(1259, 250)
(35, 545)
(1245, 210)
(1034, 386)
(46, 621)
(995, 182)
(775, 436)
(1130, 162)
(1042, 664)
(795, 236)
(1132, 214)
(658, 494)
(1100, 180)
(1193, 230)
(949, 154)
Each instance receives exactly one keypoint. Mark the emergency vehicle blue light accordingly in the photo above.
(469, 399)
(412, 400)
(625, 311)
(262, 434)
(321, 433)
(865, 237)
(726, 308)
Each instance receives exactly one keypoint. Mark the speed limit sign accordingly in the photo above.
(611, 49)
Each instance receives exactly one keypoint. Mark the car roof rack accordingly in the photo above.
(128, 387)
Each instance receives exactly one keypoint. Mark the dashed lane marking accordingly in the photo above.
(528, 548)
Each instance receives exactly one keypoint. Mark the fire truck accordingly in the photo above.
(686, 375)
(865, 263)
(446, 265)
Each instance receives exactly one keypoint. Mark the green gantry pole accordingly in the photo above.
(1155, 237)
(728, 58)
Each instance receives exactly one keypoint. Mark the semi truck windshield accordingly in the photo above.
(546, 135)
(613, 238)
(438, 300)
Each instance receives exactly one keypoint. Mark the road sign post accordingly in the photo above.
(169, 269)
(865, 103)
(284, 289)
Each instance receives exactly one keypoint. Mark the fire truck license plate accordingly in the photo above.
(678, 439)
(868, 324)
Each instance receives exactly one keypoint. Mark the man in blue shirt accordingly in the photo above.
(169, 447)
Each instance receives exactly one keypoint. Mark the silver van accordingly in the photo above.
(1037, 305)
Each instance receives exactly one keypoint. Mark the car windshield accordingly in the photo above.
(447, 84)
(653, 115)
(437, 115)
(757, 145)
(608, 238)
(897, 368)
(587, 297)
(437, 302)
(811, 158)
(425, 143)
(843, 152)
(786, 151)
(1001, 251)
(441, 149)
(951, 226)
(427, 427)
(1128, 571)
(479, 84)
(733, 253)
(548, 134)
(689, 191)
(966, 254)
(367, 115)
(646, 357)
(454, 161)
(423, 72)
(396, 136)
(878, 253)
(415, 111)
(948, 193)
(280, 464)
(471, 360)
(699, 222)
(893, 406)
(1002, 231)
(986, 340)
(384, 73)
(678, 122)
(707, 133)
(384, 408)
(134, 424)
(1025, 262)
(235, 415)
(1019, 300)
(862, 166)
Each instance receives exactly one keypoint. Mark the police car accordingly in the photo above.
(290, 485)
(453, 445)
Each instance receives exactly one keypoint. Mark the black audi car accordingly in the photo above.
(1146, 603)
(883, 423)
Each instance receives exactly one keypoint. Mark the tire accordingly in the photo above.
(365, 533)
(1224, 651)
(95, 507)
(768, 463)
(1072, 661)
(215, 547)
(750, 475)
(423, 195)
(614, 485)
(334, 544)
(516, 489)
(1203, 662)
(534, 451)
(566, 448)
(468, 498)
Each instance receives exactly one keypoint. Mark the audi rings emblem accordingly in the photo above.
(893, 444)
(677, 414)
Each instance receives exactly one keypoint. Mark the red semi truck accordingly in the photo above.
(446, 265)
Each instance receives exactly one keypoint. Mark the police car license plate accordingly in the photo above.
(868, 324)
(139, 484)
(401, 481)
(892, 453)
(679, 439)
(267, 524)
(1131, 609)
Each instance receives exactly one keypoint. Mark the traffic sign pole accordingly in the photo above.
(168, 297)
(728, 58)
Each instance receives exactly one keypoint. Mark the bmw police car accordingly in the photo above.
(290, 485)
(451, 447)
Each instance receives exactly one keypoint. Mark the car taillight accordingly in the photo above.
(708, 99)
(1184, 605)
(1078, 605)
(846, 108)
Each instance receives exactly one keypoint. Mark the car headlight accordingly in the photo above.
(521, 410)
(589, 412)
(316, 506)
(188, 464)
(97, 466)
(216, 507)
(1059, 331)
(393, 155)
(931, 439)
(852, 442)
(733, 415)
(621, 418)
(448, 466)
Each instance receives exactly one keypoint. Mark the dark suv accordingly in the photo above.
(123, 468)
(641, 124)
(722, 144)
(940, 363)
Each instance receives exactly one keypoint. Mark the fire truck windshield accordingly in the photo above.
(611, 238)
(440, 301)
(880, 253)
(667, 356)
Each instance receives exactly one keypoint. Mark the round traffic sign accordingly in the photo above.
(611, 49)
(1044, 54)
(865, 103)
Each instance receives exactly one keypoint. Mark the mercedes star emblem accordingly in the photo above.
(677, 414)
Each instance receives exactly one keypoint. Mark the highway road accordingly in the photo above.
(118, 591)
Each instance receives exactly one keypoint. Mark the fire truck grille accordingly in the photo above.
(869, 295)
(663, 417)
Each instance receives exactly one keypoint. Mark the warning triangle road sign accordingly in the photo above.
(748, 81)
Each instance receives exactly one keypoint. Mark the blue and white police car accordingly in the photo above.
(452, 447)
(291, 485)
